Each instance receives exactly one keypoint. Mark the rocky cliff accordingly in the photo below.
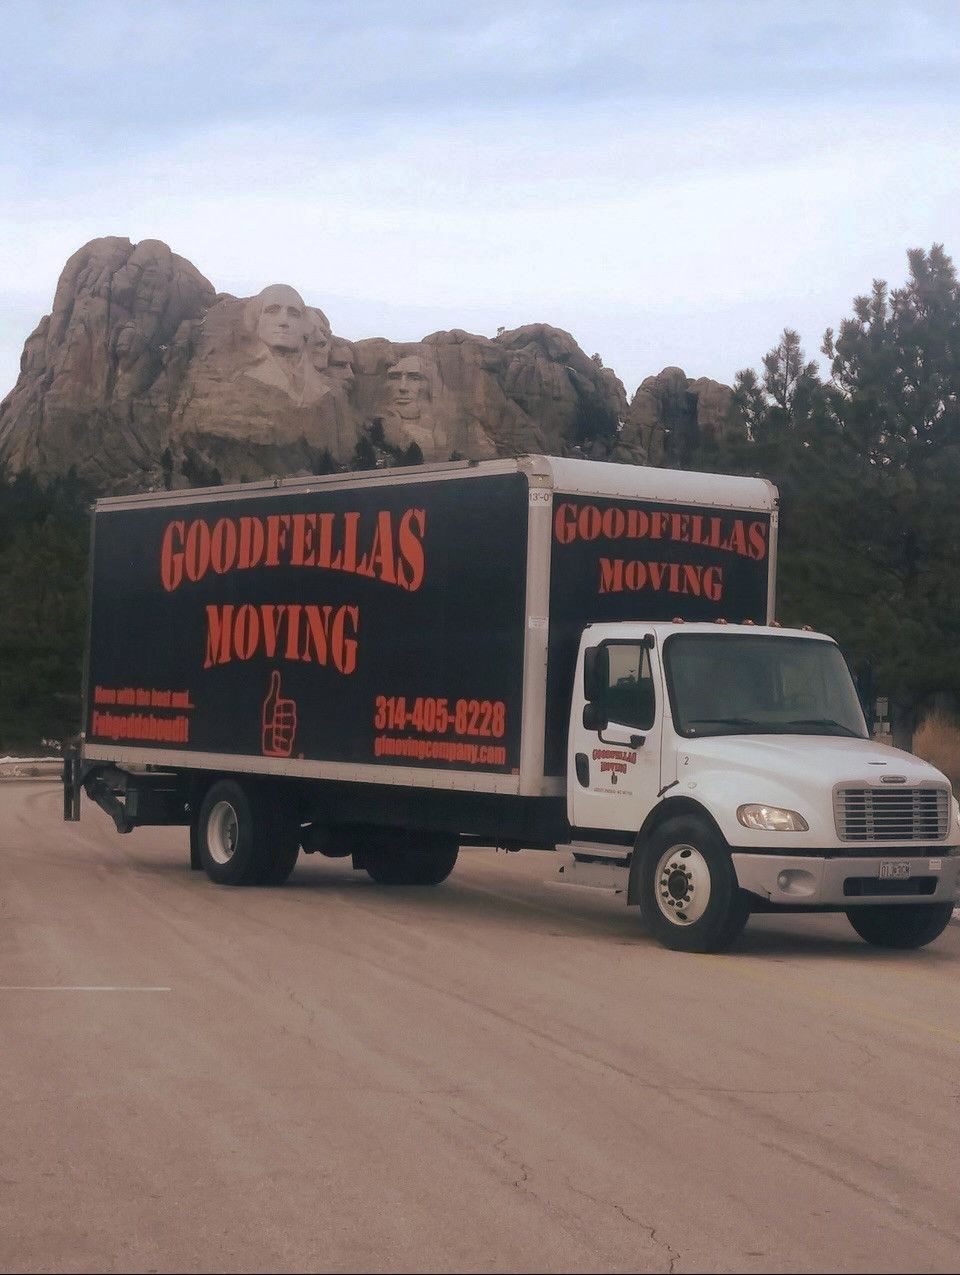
(671, 413)
(144, 376)
(85, 395)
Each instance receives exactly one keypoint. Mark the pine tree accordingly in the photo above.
(44, 538)
(895, 391)
(868, 467)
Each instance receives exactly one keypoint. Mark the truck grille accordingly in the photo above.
(894, 814)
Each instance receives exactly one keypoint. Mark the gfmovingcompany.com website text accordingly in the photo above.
(440, 750)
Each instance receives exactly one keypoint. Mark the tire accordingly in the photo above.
(424, 859)
(900, 925)
(688, 891)
(196, 862)
(280, 847)
(246, 835)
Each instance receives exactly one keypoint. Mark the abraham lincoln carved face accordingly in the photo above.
(408, 387)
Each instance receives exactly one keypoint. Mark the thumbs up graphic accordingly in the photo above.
(279, 721)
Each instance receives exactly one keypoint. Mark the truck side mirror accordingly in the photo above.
(596, 672)
(866, 693)
(594, 718)
(596, 677)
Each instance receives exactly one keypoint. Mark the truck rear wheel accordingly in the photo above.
(196, 861)
(280, 847)
(688, 891)
(427, 859)
(903, 925)
(246, 835)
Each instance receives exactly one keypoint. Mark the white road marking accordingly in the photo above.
(16, 987)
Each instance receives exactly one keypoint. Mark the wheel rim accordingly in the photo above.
(223, 832)
(682, 885)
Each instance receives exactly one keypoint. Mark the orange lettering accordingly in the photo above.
(411, 565)
(171, 559)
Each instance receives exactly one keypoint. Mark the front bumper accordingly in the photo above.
(808, 881)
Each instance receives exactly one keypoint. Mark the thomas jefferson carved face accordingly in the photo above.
(408, 387)
(282, 322)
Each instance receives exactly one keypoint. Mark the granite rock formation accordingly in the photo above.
(83, 395)
(671, 413)
(144, 376)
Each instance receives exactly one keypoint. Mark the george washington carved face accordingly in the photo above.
(282, 319)
(292, 339)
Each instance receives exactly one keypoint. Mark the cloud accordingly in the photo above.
(628, 171)
(158, 69)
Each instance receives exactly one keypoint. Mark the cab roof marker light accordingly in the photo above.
(678, 619)
(719, 621)
(748, 621)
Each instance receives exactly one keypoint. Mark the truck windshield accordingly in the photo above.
(740, 684)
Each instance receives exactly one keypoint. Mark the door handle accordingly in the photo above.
(582, 766)
(633, 741)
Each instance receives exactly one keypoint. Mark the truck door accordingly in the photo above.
(615, 736)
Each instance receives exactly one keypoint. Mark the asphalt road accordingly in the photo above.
(500, 1074)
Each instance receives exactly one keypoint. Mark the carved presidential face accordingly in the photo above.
(408, 387)
(128, 345)
(282, 322)
(340, 366)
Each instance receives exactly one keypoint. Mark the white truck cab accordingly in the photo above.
(736, 761)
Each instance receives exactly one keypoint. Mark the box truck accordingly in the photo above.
(536, 653)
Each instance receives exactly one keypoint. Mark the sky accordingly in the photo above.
(672, 181)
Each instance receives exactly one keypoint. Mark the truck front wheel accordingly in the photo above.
(688, 891)
(246, 836)
(425, 859)
(903, 925)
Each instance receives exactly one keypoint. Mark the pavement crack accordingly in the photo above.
(672, 1255)
(857, 1044)
(520, 1182)
(522, 1169)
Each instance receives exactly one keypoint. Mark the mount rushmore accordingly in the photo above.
(144, 376)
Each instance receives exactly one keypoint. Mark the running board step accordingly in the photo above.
(598, 852)
(599, 873)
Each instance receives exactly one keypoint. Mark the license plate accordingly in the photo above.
(894, 869)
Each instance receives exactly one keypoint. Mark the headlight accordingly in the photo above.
(771, 819)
